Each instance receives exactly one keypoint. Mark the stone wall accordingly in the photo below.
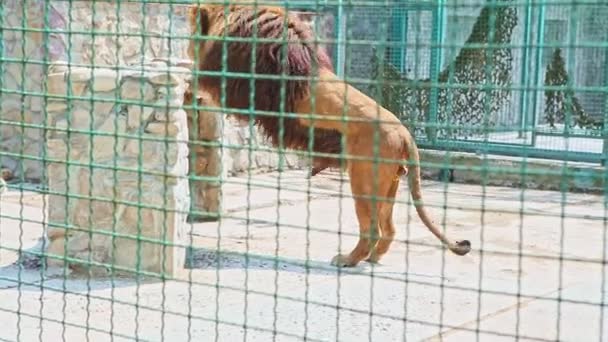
(126, 180)
(27, 55)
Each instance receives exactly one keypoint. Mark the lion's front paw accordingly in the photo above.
(341, 260)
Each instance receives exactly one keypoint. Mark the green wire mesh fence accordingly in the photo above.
(131, 208)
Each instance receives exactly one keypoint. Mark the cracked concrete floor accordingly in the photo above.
(536, 272)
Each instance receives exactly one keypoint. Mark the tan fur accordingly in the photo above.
(367, 125)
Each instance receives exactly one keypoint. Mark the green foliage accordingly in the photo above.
(560, 102)
(468, 105)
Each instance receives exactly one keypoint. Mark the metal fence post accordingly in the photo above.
(435, 65)
(525, 76)
(604, 158)
(540, 35)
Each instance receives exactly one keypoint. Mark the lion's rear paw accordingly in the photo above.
(341, 260)
(374, 259)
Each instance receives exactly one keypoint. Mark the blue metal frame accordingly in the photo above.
(399, 17)
(398, 23)
(529, 105)
(604, 158)
(339, 35)
(525, 77)
(435, 66)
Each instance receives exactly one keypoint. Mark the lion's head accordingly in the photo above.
(285, 47)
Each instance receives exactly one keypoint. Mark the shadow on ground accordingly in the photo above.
(202, 258)
(28, 275)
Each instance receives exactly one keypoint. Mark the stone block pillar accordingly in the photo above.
(117, 167)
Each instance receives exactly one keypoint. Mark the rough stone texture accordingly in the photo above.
(18, 76)
(127, 152)
(247, 151)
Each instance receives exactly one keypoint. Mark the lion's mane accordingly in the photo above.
(292, 54)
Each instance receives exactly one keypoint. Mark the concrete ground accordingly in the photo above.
(536, 273)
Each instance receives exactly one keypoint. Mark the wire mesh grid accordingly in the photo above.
(134, 207)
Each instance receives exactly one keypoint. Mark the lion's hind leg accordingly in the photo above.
(385, 219)
(370, 209)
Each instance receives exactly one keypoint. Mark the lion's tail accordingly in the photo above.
(457, 247)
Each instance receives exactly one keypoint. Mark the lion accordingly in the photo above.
(345, 119)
